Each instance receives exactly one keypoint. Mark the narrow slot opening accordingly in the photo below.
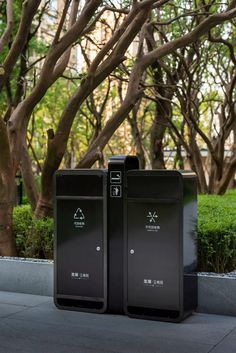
(82, 304)
(151, 312)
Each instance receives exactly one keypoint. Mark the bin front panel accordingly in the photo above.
(153, 254)
(80, 248)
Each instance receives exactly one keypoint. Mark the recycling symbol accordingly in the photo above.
(79, 214)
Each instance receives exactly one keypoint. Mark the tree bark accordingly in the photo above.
(7, 241)
(5, 38)
(196, 160)
(137, 136)
(45, 202)
(28, 177)
(29, 10)
(156, 143)
(229, 173)
(7, 195)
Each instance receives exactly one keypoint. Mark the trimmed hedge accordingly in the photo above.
(217, 232)
(34, 237)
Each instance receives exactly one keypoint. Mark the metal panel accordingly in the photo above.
(80, 248)
(153, 255)
(81, 240)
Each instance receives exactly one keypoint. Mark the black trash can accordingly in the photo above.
(81, 240)
(160, 281)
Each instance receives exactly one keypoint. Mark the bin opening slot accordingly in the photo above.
(151, 312)
(86, 304)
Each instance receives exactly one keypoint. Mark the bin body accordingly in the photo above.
(81, 240)
(160, 246)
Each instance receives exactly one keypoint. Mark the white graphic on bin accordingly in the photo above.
(152, 216)
(79, 218)
(115, 191)
(153, 282)
(79, 214)
(79, 275)
(115, 177)
(152, 225)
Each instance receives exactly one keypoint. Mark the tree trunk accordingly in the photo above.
(7, 241)
(197, 164)
(44, 206)
(28, 177)
(45, 202)
(229, 173)
(156, 148)
(7, 195)
(137, 136)
(178, 159)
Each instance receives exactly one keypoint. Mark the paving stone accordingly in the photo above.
(6, 309)
(227, 345)
(28, 334)
(208, 329)
(32, 324)
(23, 299)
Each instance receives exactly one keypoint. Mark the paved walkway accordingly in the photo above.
(31, 324)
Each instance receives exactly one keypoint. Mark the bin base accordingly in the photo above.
(80, 305)
(157, 314)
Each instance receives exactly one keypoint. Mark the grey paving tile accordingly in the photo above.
(6, 309)
(232, 336)
(199, 328)
(22, 299)
(32, 324)
(90, 340)
(213, 320)
(228, 345)
(28, 346)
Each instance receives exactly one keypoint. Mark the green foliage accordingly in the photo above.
(34, 237)
(217, 232)
(35, 48)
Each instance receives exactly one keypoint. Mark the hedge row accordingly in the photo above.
(34, 237)
(216, 233)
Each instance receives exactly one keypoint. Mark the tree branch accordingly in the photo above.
(204, 27)
(7, 33)
(61, 23)
(64, 59)
(29, 10)
(225, 42)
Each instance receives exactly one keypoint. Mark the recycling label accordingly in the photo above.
(79, 218)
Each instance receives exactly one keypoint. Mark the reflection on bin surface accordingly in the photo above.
(81, 240)
(160, 279)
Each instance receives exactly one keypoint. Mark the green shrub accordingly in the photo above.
(217, 232)
(22, 221)
(34, 237)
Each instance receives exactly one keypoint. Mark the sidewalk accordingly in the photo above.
(32, 324)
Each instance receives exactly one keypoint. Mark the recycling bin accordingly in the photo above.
(117, 169)
(160, 280)
(80, 204)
